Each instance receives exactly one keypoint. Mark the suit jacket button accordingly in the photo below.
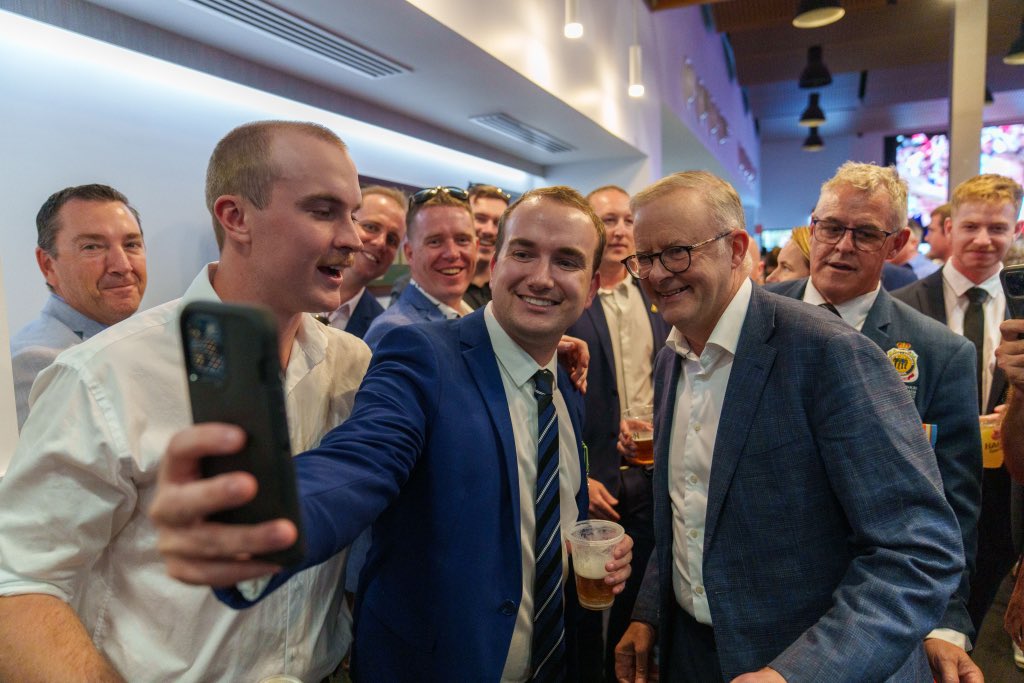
(508, 608)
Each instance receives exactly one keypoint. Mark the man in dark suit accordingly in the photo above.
(800, 524)
(381, 226)
(623, 333)
(936, 365)
(446, 451)
(966, 295)
(441, 250)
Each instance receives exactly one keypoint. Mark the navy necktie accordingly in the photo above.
(548, 651)
(974, 330)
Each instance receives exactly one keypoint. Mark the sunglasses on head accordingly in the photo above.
(429, 193)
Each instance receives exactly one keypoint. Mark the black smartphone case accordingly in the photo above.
(234, 376)
(1012, 278)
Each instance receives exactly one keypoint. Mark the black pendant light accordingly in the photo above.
(813, 143)
(813, 115)
(1015, 55)
(815, 74)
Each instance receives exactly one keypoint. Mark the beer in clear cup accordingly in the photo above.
(593, 542)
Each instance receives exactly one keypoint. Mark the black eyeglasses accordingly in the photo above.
(865, 237)
(429, 193)
(674, 259)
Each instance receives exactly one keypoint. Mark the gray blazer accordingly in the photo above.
(941, 380)
(37, 345)
(829, 549)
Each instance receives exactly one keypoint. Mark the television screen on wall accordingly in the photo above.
(922, 159)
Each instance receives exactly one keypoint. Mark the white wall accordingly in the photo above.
(80, 111)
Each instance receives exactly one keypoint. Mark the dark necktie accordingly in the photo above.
(974, 330)
(547, 661)
(830, 308)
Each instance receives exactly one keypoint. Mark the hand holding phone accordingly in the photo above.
(231, 361)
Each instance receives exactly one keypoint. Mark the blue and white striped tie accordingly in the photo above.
(548, 660)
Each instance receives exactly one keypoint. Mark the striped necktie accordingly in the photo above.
(548, 652)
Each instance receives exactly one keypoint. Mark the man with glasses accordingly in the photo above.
(380, 222)
(857, 225)
(623, 334)
(800, 526)
(441, 248)
(966, 295)
(487, 203)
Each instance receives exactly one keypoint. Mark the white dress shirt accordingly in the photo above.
(954, 287)
(632, 342)
(853, 312)
(700, 395)
(517, 369)
(449, 312)
(339, 317)
(73, 506)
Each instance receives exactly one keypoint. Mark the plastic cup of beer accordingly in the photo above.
(640, 422)
(991, 446)
(592, 544)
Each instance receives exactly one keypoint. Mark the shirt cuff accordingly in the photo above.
(252, 589)
(951, 636)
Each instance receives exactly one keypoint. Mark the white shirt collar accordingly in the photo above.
(853, 312)
(346, 308)
(961, 283)
(449, 312)
(725, 336)
(519, 365)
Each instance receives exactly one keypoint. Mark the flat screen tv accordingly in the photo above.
(922, 159)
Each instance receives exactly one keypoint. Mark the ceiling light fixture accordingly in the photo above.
(989, 98)
(815, 74)
(813, 115)
(573, 28)
(813, 143)
(815, 13)
(636, 70)
(1015, 55)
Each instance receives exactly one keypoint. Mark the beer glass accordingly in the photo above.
(640, 422)
(592, 544)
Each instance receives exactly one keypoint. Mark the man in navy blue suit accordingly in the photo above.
(623, 334)
(800, 524)
(936, 365)
(442, 451)
(441, 248)
(381, 227)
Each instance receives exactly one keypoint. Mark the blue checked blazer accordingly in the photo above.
(411, 307)
(829, 549)
(943, 394)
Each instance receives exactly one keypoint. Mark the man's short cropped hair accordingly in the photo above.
(871, 178)
(566, 196)
(47, 225)
(241, 163)
(944, 211)
(718, 195)
(987, 187)
(606, 188)
(392, 193)
(481, 191)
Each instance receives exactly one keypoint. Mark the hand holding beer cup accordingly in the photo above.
(636, 438)
(601, 553)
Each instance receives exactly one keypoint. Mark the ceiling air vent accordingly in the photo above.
(517, 130)
(268, 19)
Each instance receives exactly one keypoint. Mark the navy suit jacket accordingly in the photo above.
(927, 296)
(829, 550)
(366, 311)
(894, 277)
(601, 429)
(411, 307)
(439, 595)
(941, 382)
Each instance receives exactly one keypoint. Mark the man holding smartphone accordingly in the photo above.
(460, 582)
(85, 596)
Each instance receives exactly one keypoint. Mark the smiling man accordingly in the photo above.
(487, 203)
(801, 533)
(85, 597)
(90, 250)
(465, 448)
(857, 225)
(966, 295)
(380, 222)
(441, 250)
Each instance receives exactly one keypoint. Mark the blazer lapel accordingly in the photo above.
(478, 355)
(933, 302)
(876, 325)
(751, 365)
